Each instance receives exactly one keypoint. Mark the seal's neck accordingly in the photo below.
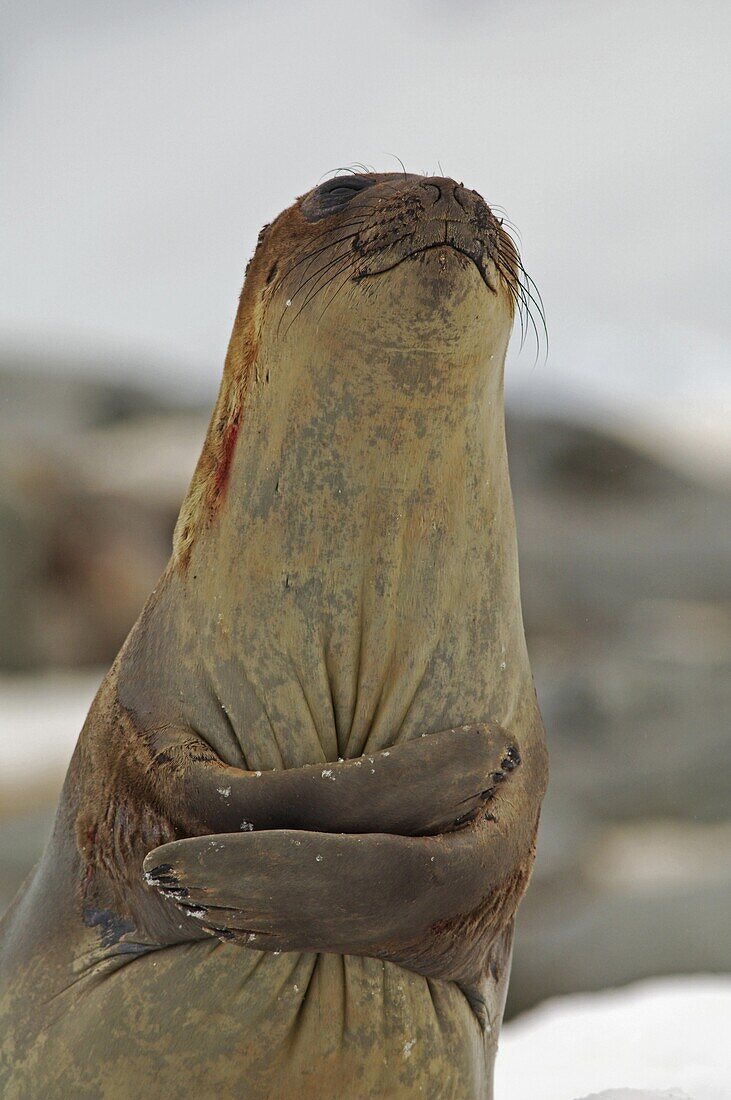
(366, 548)
(331, 461)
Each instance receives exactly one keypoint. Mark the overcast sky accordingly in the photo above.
(144, 146)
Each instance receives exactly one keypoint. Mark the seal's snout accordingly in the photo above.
(453, 216)
(424, 213)
(449, 201)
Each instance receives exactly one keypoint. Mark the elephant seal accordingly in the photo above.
(302, 810)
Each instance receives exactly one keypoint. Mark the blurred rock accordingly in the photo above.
(626, 580)
(43, 400)
(92, 475)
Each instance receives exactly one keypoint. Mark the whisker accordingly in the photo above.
(311, 256)
(300, 258)
(505, 219)
(526, 282)
(346, 261)
(540, 304)
(403, 166)
(541, 314)
(364, 213)
(519, 284)
(510, 282)
(323, 270)
(333, 296)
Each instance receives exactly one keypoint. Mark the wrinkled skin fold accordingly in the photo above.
(302, 811)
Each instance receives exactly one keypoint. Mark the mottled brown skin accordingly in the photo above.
(302, 810)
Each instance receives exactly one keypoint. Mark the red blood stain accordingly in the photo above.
(228, 446)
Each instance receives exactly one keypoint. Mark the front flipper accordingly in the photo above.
(424, 786)
(408, 899)
(291, 890)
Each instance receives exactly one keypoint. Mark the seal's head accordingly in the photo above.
(421, 248)
(385, 275)
(402, 217)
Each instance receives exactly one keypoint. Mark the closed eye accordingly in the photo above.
(345, 186)
(345, 189)
(333, 195)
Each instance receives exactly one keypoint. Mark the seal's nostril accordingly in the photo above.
(446, 199)
(431, 184)
(460, 195)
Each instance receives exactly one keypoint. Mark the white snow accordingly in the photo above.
(637, 1094)
(40, 720)
(661, 1035)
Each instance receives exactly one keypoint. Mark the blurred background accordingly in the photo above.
(144, 146)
